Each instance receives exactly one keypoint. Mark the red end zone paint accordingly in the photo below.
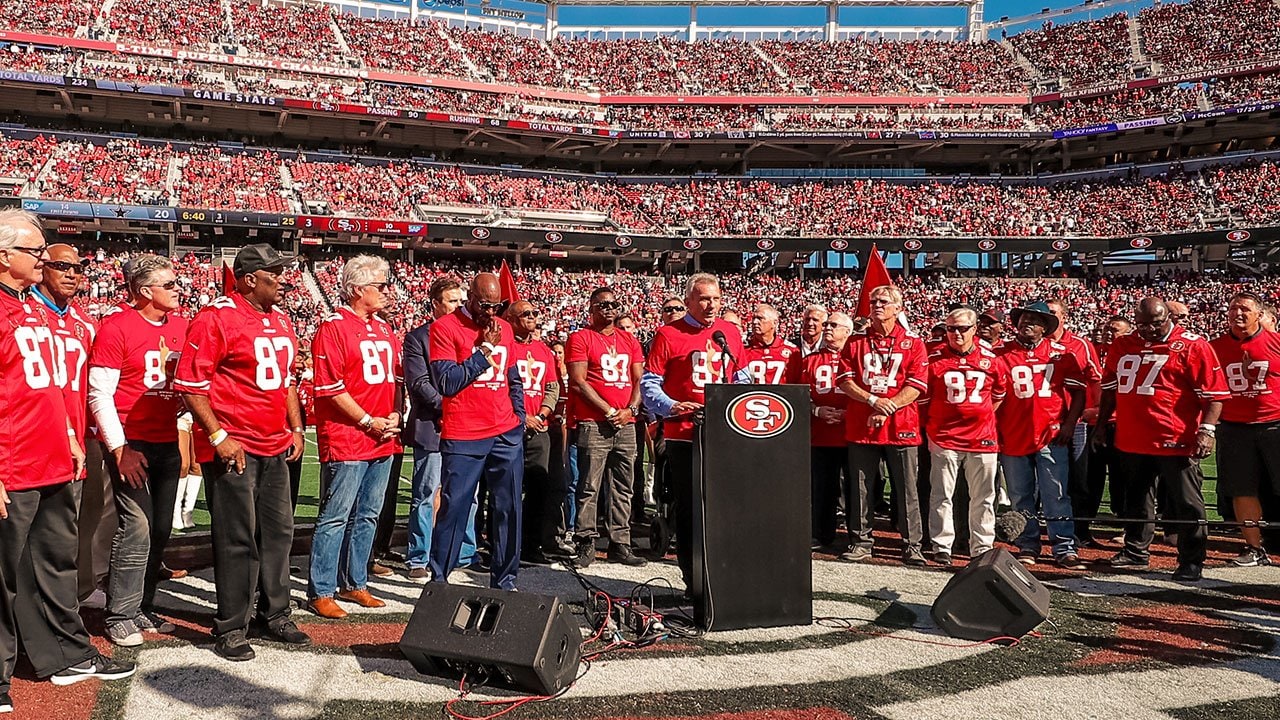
(817, 713)
(1172, 634)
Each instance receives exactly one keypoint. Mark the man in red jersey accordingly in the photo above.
(883, 371)
(684, 359)
(1166, 388)
(605, 367)
(356, 358)
(1250, 424)
(62, 275)
(543, 490)
(966, 386)
(991, 328)
(767, 353)
(42, 458)
(482, 429)
(131, 394)
(1044, 399)
(810, 340)
(235, 375)
(828, 454)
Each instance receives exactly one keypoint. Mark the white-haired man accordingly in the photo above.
(811, 329)
(767, 353)
(38, 494)
(357, 369)
(683, 360)
(131, 394)
(966, 385)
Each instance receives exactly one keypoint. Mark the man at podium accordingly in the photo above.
(688, 354)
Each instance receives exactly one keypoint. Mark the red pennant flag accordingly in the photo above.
(228, 279)
(510, 293)
(875, 276)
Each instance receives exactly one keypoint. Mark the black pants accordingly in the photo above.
(145, 522)
(543, 495)
(1086, 501)
(558, 466)
(252, 528)
(680, 477)
(38, 544)
(93, 503)
(826, 465)
(387, 517)
(860, 503)
(1182, 482)
(638, 475)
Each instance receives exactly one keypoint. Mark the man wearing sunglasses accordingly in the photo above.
(543, 490)
(63, 274)
(236, 376)
(134, 404)
(605, 366)
(42, 458)
(966, 386)
(672, 310)
(482, 429)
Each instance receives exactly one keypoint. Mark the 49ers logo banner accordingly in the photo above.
(759, 415)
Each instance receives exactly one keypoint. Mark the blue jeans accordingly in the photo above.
(571, 487)
(354, 493)
(422, 506)
(1045, 474)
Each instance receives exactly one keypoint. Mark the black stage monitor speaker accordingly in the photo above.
(508, 638)
(994, 596)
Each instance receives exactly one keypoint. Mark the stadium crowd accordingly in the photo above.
(248, 426)
(1189, 36)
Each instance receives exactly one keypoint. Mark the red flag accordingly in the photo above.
(874, 276)
(510, 293)
(228, 279)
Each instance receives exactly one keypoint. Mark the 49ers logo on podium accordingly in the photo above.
(759, 415)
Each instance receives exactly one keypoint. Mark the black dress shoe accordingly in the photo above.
(1188, 572)
(286, 632)
(586, 553)
(624, 554)
(233, 646)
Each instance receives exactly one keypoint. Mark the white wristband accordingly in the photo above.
(872, 400)
(1208, 429)
(71, 432)
(366, 421)
(218, 438)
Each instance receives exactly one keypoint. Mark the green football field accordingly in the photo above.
(309, 493)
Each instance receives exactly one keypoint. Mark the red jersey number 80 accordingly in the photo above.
(275, 358)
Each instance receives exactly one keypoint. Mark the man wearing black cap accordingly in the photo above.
(235, 377)
(991, 328)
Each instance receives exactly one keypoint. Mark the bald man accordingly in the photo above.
(474, 367)
(1166, 388)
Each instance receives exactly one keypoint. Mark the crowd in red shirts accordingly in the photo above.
(1088, 52)
(1185, 36)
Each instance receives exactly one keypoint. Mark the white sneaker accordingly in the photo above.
(97, 600)
(188, 520)
(124, 634)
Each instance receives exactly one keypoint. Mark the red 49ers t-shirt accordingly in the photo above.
(819, 370)
(609, 359)
(1252, 367)
(241, 359)
(34, 448)
(1035, 402)
(768, 363)
(884, 365)
(537, 366)
(1160, 389)
(76, 333)
(361, 358)
(962, 389)
(684, 354)
(146, 354)
(483, 408)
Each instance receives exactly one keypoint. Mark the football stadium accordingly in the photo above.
(622, 359)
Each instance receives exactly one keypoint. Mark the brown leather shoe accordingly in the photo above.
(361, 598)
(380, 570)
(167, 573)
(325, 607)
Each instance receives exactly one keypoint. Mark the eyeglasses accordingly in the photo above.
(35, 252)
(608, 305)
(167, 286)
(380, 287)
(832, 325)
(959, 328)
(493, 307)
(673, 308)
(528, 314)
(65, 267)
(882, 301)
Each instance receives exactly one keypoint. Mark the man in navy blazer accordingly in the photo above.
(422, 429)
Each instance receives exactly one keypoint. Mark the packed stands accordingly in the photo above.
(711, 67)
(1083, 53)
(291, 31)
(509, 58)
(618, 66)
(398, 45)
(120, 171)
(56, 17)
(881, 66)
(1210, 33)
(211, 178)
(177, 23)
